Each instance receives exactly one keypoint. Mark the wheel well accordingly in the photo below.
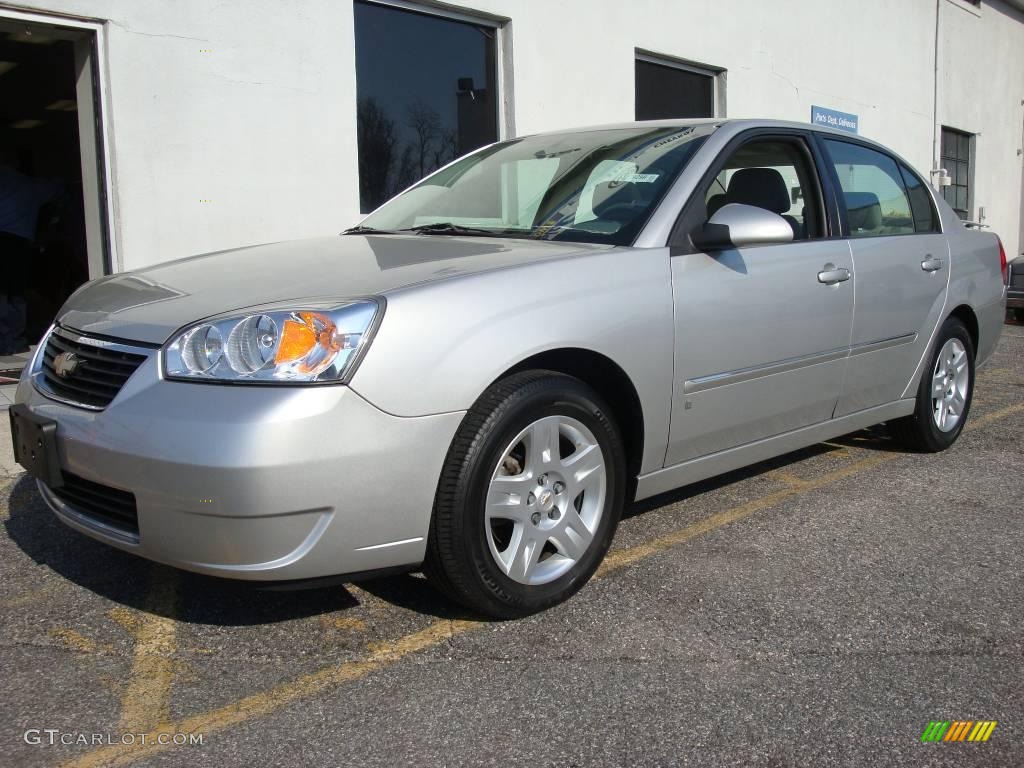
(610, 381)
(966, 315)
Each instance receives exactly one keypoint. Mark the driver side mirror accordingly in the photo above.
(736, 226)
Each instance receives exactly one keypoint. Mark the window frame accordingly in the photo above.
(694, 211)
(829, 169)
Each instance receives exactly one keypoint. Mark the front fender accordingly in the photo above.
(441, 344)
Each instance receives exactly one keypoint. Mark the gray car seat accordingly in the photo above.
(763, 188)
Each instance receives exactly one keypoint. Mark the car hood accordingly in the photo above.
(149, 305)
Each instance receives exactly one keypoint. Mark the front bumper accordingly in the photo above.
(1014, 299)
(254, 482)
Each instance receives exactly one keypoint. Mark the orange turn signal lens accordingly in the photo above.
(297, 341)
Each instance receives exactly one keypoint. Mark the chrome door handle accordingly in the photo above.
(830, 275)
(931, 264)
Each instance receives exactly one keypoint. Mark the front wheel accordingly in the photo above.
(529, 497)
(944, 395)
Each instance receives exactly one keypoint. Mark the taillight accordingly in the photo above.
(1002, 262)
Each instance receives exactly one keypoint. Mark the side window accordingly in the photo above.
(925, 218)
(876, 199)
(771, 174)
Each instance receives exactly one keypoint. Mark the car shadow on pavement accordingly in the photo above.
(129, 580)
(874, 438)
(413, 592)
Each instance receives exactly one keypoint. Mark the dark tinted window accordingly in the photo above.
(427, 93)
(876, 199)
(664, 92)
(925, 219)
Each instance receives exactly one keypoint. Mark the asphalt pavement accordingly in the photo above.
(820, 609)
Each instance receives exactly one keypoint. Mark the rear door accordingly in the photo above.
(761, 340)
(902, 265)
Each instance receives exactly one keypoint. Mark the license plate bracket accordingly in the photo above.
(35, 445)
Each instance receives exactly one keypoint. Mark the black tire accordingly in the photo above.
(459, 561)
(919, 431)
(1018, 314)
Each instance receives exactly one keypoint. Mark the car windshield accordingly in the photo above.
(596, 186)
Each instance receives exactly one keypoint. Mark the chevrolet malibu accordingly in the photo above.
(481, 375)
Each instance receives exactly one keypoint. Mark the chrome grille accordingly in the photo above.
(100, 372)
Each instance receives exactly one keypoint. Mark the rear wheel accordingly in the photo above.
(944, 395)
(529, 498)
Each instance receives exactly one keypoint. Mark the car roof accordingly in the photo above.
(737, 123)
(734, 124)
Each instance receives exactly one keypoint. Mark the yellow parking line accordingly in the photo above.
(269, 701)
(342, 623)
(975, 422)
(787, 478)
(280, 696)
(620, 558)
(146, 700)
(839, 450)
(79, 642)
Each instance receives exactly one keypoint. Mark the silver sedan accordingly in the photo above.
(476, 379)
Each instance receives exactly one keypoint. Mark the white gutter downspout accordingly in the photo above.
(936, 168)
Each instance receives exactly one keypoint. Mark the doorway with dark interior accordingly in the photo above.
(51, 234)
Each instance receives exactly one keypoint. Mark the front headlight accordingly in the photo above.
(274, 346)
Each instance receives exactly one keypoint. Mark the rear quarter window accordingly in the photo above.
(925, 217)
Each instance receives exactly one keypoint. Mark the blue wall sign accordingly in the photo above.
(831, 118)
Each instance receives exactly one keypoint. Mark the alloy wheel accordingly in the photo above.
(545, 500)
(950, 382)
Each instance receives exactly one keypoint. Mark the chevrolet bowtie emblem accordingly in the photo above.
(65, 364)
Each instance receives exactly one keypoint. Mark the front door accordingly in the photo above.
(761, 340)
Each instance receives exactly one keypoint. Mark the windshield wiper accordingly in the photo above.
(449, 228)
(361, 230)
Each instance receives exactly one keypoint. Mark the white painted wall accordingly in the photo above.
(981, 91)
(263, 126)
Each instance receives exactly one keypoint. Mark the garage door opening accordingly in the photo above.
(52, 236)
